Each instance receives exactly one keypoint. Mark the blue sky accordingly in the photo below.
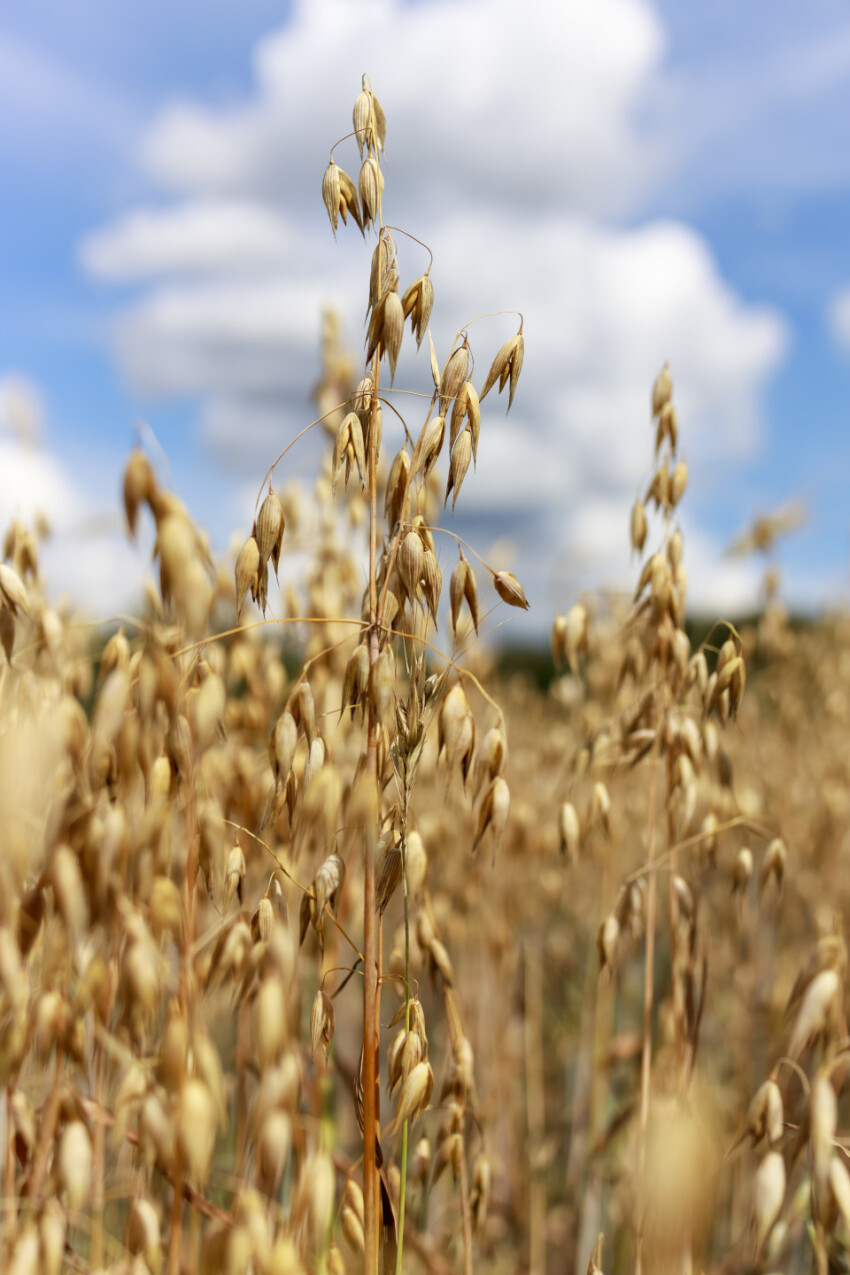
(644, 180)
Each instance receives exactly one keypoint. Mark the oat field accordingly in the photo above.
(325, 947)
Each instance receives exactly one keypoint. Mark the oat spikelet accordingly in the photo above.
(322, 1023)
(662, 390)
(458, 466)
(339, 195)
(768, 1195)
(417, 304)
(506, 365)
(462, 587)
(510, 590)
(493, 816)
(370, 122)
(247, 573)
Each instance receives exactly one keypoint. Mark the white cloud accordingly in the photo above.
(463, 83)
(86, 557)
(21, 408)
(516, 150)
(839, 318)
(773, 123)
(55, 108)
(215, 236)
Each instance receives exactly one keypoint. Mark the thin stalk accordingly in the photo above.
(370, 968)
(402, 1192)
(467, 1217)
(9, 1193)
(48, 1129)
(187, 984)
(175, 1237)
(648, 981)
(98, 1149)
(675, 955)
(535, 1106)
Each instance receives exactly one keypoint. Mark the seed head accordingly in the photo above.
(361, 400)
(463, 587)
(432, 582)
(282, 745)
(247, 573)
(429, 445)
(668, 427)
(773, 865)
(817, 1011)
(765, 1117)
(356, 679)
(142, 1235)
(435, 366)
(370, 122)
(273, 1147)
(607, 938)
(73, 1163)
(569, 831)
(386, 328)
(742, 870)
(397, 483)
(453, 375)
(662, 390)
(458, 465)
(196, 1129)
(383, 274)
(466, 409)
(823, 1114)
(638, 526)
(416, 861)
(340, 196)
(329, 881)
(234, 875)
(678, 483)
(139, 485)
(493, 815)
(510, 590)
(768, 1195)
(322, 1023)
(456, 730)
(411, 557)
(371, 185)
(269, 529)
(382, 686)
(415, 1094)
(506, 365)
(417, 304)
(491, 757)
(389, 876)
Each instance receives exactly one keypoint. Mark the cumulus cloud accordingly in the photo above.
(839, 318)
(773, 125)
(209, 236)
(528, 196)
(464, 81)
(21, 408)
(86, 557)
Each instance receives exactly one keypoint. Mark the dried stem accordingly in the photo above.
(370, 968)
(648, 984)
(467, 1217)
(402, 1193)
(9, 1193)
(98, 1149)
(48, 1129)
(535, 1106)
